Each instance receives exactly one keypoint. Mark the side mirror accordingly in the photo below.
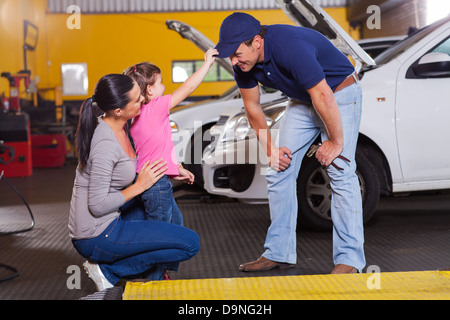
(433, 65)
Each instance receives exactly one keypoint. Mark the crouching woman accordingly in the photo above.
(107, 223)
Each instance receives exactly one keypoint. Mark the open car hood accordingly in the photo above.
(307, 13)
(199, 39)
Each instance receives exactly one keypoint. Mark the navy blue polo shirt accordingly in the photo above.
(295, 60)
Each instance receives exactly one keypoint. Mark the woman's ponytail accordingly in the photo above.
(87, 123)
(111, 92)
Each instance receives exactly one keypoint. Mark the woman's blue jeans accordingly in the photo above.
(299, 128)
(132, 246)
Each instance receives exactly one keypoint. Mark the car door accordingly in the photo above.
(423, 114)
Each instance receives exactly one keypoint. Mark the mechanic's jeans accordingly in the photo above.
(299, 128)
(159, 203)
(132, 246)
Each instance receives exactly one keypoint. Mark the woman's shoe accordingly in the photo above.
(95, 273)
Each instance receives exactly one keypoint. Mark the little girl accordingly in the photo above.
(152, 134)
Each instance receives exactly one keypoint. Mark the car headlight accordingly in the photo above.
(174, 126)
(238, 127)
(273, 115)
(242, 128)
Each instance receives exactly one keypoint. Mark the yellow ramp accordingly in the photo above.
(367, 286)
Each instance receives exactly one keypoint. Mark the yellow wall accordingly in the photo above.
(111, 43)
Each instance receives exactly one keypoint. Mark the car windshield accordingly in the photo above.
(406, 43)
(232, 90)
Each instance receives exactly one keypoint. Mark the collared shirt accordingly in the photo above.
(295, 60)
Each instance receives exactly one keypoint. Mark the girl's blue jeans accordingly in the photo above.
(159, 203)
(132, 246)
(299, 128)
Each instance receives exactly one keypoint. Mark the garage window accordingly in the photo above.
(181, 70)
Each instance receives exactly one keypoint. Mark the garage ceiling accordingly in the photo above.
(133, 6)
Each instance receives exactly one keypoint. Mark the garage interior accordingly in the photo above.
(410, 233)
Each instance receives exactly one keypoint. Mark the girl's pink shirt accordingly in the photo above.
(152, 135)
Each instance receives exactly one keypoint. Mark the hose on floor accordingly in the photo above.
(11, 268)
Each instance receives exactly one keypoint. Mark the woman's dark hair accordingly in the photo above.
(111, 92)
(145, 75)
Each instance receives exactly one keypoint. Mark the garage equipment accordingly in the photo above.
(48, 150)
(30, 40)
(14, 87)
(15, 149)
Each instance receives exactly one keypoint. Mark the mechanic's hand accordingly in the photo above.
(280, 158)
(327, 152)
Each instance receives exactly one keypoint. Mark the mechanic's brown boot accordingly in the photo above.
(343, 269)
(263, 264)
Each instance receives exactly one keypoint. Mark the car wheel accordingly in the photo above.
(193, 162)
(314, 192)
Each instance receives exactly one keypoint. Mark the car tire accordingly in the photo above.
(193, 162)
(314, 192)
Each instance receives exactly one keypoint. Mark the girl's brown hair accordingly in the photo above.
(145, 75)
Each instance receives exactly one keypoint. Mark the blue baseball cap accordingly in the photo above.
(235, 29)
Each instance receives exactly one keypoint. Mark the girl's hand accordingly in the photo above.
(194, 80)
(210, 56)
(185, 175)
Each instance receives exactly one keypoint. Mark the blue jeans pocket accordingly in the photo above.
(91, 249)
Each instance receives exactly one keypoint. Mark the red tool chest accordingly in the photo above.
(49, 150)
(15, 151)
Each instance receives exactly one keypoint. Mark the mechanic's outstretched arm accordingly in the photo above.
(280, 158)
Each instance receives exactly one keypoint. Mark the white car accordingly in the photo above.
(375, 46)
(402, 143)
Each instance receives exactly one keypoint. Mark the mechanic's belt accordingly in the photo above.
(351, 79)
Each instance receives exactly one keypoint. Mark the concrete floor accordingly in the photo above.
(410, 233)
